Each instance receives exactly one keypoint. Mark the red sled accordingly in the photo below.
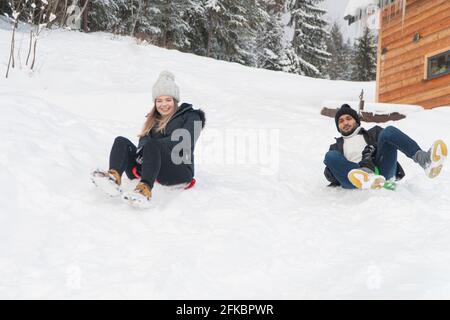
(189, 185)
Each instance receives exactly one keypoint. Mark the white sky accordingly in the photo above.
(336, 12)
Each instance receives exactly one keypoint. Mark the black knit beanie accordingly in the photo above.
(346, 109)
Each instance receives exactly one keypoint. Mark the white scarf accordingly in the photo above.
(354, 145)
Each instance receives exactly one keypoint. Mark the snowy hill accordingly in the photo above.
(270, 229)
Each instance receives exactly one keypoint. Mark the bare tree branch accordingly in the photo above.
(17, 9)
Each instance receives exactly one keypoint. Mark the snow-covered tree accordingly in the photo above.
(167, 19)
(165, 22)
(309, 36)
(349, 54)
(195, 17)
(270, 50)
(231, 29)
(5, 7)
(250, 32)
(108, 15)
(339, 67)
(365, 57)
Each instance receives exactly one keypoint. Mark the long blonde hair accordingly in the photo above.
(154, 118)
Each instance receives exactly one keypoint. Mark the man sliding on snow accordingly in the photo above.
(365, 159)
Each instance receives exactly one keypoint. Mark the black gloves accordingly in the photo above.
(368, 156)
(139, 154)
(139, 157)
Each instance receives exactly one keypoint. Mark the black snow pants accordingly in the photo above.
(156, 165)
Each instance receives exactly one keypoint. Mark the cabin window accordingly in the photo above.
(439, 65)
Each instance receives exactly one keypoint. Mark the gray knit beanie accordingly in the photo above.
(166, 86)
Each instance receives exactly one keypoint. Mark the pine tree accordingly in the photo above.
(309, 36)
(231, 29)
(348, 61)
(5, 7)
(250, 32)
(270, 51)
(165, 21)
(338, 64)
(147, 21)
(292, 62)
(108, 15)
(365, 58)
(195, 17)
(258, 17)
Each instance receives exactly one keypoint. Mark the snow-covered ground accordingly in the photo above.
(267, 229)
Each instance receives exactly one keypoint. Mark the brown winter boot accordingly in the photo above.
(108, 181)
(143, 189)
(140, 197)
(116, 176)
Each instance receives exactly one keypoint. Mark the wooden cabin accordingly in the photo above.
(414, 54)
(413, 64)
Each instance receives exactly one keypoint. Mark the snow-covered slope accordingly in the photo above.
(267, 229)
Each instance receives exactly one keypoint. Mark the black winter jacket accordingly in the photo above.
(371, 137)
(187, 118)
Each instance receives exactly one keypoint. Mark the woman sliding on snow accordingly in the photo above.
(165, 151)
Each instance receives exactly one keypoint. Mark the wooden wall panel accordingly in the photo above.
(416, 13)
(440, 101)
(400, 73)
(419, 88)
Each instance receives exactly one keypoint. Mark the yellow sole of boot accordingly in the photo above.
(439, 154)
(360, 177)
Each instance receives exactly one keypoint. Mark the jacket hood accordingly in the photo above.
(187, 107)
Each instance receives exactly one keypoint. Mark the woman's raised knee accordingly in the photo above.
(121, 140)
(152, 145)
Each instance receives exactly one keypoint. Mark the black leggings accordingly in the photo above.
(157, 163)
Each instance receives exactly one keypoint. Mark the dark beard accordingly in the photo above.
(350, 132)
